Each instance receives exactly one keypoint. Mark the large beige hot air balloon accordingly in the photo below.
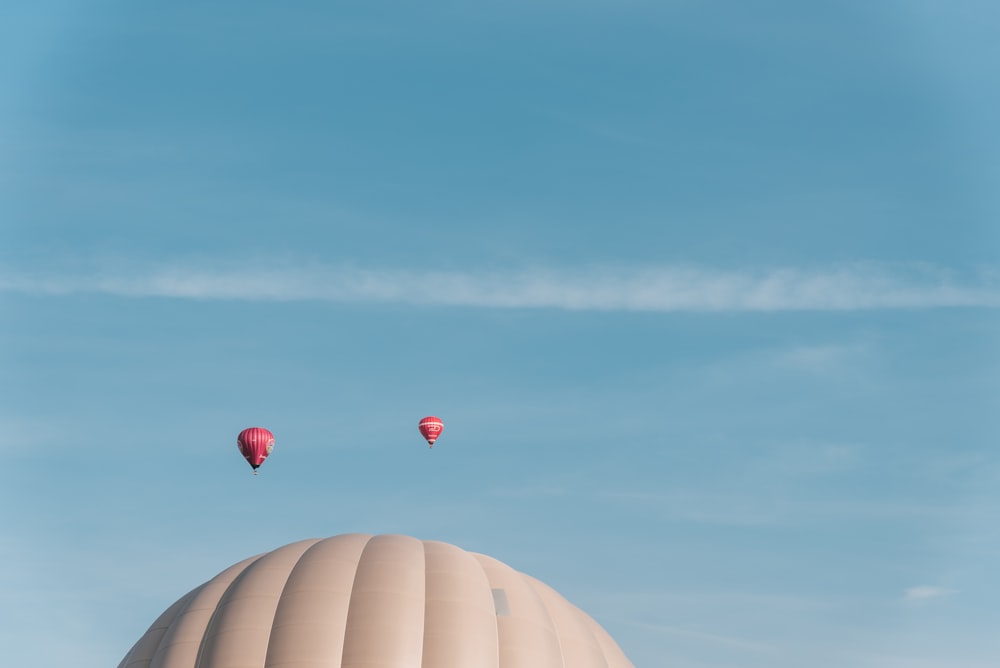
(384, 601)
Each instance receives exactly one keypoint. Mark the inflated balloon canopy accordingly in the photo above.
(358, 600)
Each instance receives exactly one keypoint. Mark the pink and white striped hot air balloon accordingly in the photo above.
(430, 428)
(255, 445)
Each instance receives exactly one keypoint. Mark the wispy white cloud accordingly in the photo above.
(601, 129)
(713, 507)
(653, 289)
(771, 500)
(32, 435)
(907, 657)
(924, 592)
(714, 638)
(531, 492)
(818, 359)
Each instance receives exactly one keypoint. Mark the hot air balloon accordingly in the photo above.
(255, 445)
(430, 428)
(374, 600)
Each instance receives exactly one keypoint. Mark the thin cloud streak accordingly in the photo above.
(924, 592)
(708, 637)
(658, 289)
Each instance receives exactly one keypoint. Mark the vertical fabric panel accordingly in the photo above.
(385, 622)
(362, 601)
(311, 620)
(238, 633)
(179, 630)
(527, 637)
(142, 652)
(612, 652)
(179, 648)
(580, 649)
(460, 629)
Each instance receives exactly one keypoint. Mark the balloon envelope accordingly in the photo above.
(374, 600)
(430, 428)
(255, 445)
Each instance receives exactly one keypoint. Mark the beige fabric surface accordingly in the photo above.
(363, 601)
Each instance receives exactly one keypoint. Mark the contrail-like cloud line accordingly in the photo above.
(655, 289)
(924, 592)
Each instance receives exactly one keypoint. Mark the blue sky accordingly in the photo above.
(706, 294)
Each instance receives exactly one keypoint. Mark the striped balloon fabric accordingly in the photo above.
(430, 428)
(361, 600)
(255, 445)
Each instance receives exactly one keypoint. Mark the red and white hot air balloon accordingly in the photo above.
(255, 445)
(430, 428)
